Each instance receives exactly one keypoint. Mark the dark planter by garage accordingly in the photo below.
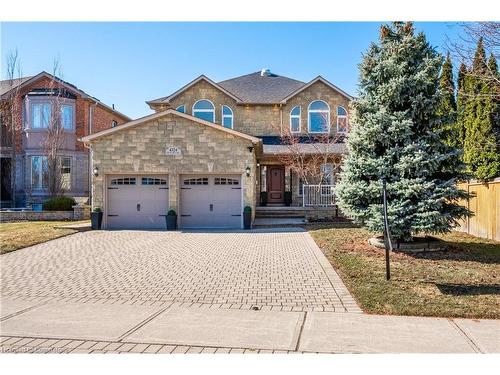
(96, 220)
(288, 198)
(247, 217)
(263, 198)
(171, 219)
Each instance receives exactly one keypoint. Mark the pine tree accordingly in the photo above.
(461, 103)
(447, 109)
(481, 150)
(396, 136)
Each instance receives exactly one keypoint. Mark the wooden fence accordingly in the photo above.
(485, 204)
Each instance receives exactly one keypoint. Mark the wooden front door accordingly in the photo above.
(276, 184)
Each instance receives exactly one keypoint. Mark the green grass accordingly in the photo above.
(14, 236)
(463, 281)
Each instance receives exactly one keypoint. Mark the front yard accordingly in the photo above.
(14, 236)
(461, 282)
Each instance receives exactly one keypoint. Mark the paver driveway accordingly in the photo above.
(271, 269)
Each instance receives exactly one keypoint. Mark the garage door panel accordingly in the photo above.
(142, 205)
(211, 201)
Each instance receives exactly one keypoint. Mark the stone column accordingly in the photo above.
(81, 212)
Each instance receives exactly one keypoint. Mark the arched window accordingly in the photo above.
(204, 109)
(318, 117)
(295, 119)
(227, 117)
(181, 108)
(342, 124)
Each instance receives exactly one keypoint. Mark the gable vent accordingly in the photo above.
(265, 72)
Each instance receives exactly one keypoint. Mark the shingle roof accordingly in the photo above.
(257, 89)
(7, 85)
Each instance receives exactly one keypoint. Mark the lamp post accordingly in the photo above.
(387, 234)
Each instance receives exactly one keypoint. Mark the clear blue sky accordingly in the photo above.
(128, 63)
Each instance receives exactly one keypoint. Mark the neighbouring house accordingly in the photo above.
(26, 107)
(210, 149)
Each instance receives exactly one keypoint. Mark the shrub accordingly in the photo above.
(59, 204)
(171, 213)
(97, 209)
(247, 209)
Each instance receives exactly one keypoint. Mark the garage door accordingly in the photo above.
(211, 201)
(137, 202)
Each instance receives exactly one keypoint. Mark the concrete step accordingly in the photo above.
(278, 222)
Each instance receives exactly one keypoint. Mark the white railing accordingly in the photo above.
(318, 195)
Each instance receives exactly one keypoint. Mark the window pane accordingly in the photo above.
(295, 111)
(295, 124)
(341, 111)
(226, 111)
(46, 113)
(67, 116)
(181, 109)
(318, 122)
(36, 169)
(65, 172)
(342, 124)
(45, 172)
(227, 122)
(36, 117)
(203, 104)
(318, 105)
(209, 116)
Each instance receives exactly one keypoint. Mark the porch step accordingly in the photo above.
(278, 222)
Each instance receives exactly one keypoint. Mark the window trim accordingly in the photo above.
(183, 110)
(309, 111)
(231, 116)
(203, 110)
(346, 116)
(299, 116)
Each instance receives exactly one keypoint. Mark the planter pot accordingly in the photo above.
(247, 220)
(288, 198)
(96, 220)
(171, 222)
(263, 198)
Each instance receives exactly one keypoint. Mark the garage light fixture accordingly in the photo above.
(247, 170)
(96, 171)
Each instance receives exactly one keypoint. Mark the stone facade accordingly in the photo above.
(78, 213)
(141, 150)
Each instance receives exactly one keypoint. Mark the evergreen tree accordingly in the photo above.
(447, 109)
(481, 146)
(396, 136)
(461, 103)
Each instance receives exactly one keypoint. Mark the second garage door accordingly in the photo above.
(211, 201)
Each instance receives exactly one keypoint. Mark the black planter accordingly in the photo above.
(96, 220)
(263, 198)
(247, 220)
(288, 198)
(171, 222)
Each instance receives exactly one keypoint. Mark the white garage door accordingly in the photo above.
(137, 202)
(211, 201)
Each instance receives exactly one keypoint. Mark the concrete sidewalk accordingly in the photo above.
(177, 327)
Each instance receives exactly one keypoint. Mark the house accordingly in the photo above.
(30, 109)
(210, 149)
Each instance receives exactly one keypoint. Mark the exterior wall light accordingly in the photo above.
(247, 171)
(95, 172)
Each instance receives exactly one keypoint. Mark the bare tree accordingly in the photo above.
(11, 113)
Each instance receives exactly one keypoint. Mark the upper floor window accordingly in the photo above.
(40, 115)
(67, 116)
(181, 108)
(204, 109)
(295, 119)
(342, 124)
(227, 117)
(113, 123)
(319, 117)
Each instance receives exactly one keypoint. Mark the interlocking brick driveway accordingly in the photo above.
(281, 270)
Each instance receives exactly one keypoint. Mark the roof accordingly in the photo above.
(8, 85)
(255, 88)
(156, 115)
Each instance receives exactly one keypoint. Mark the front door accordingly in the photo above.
(276, 184)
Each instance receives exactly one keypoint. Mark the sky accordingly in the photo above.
(127, 63)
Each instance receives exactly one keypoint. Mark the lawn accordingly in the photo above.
(463, 281)
(14, 236)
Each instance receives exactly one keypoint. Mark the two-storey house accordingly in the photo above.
(29, 108)
(210, 149)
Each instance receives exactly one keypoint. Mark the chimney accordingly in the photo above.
(265, 72)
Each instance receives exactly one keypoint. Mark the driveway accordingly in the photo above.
(271, 270)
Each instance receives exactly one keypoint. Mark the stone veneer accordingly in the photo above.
(141, 150)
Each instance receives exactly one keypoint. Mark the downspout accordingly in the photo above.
(90, 164)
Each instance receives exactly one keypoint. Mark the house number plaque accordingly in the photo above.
(173, 151)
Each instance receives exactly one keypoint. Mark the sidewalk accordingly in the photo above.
(179, 328)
